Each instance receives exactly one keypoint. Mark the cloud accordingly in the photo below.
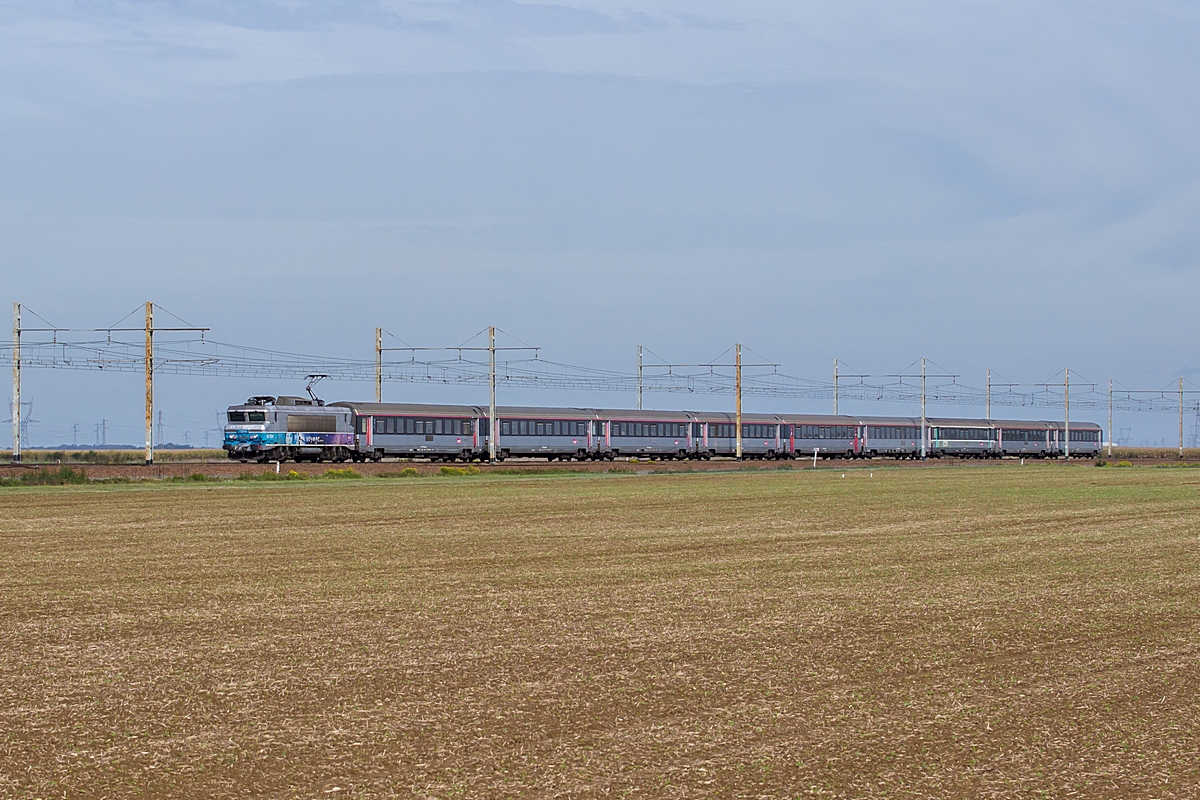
(814, 175)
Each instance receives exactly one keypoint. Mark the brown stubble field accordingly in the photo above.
(971, 632)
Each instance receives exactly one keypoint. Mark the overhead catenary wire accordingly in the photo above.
(182, 353)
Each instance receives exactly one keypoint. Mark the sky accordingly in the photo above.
(1004, 185)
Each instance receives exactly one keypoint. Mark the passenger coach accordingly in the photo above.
(551, 433)
(408, 430)
(760, 435)
(897, 437)
(964, 438)
(825, 436)
(662, 434)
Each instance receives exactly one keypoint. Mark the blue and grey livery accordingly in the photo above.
(267, 428)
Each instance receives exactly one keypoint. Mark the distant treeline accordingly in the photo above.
(122, 456)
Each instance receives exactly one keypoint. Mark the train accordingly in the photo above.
(268, 428)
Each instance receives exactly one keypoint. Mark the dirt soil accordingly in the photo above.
(225, 468)
(992, 632)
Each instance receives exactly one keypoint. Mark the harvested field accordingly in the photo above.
(990, 632)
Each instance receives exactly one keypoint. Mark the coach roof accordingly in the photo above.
(426, 409)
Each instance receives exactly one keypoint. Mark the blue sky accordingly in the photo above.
(990, 184)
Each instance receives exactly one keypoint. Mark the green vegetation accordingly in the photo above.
(347, 472)
(64, 475)
(453, 471)
(113, 456)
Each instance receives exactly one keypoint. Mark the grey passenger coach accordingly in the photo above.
(761, 435)
(407, 430)
(827, 436)
(552, 433)
(895, 437)
(664, 434)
